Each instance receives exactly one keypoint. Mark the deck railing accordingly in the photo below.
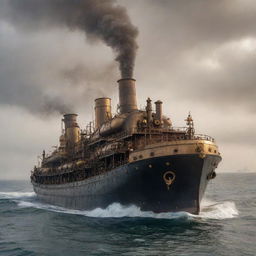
(165, 134)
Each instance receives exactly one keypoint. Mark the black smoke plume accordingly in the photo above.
(99, 19)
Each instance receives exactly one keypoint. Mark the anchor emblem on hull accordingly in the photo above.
(169, 178)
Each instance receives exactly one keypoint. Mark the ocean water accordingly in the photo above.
(225, 226)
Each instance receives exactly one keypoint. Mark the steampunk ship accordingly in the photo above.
(135, 157)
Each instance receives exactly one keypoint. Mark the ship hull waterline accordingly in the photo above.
(160, 184)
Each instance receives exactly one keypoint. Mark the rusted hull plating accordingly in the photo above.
(161, 184)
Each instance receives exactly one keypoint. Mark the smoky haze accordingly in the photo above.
(49, 77)
(99, 19)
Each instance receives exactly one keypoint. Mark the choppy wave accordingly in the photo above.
(16, 195)
(209, 209)
(222, 210)
(218, 210)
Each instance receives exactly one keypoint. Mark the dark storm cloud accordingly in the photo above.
(100, 79)
(20, 86)
(224, 80)
(21, 69)
(99, 19)
(20, 81)
(36, 75)
(200, 22)
(170, 31)
(234, 87)
(187, 32)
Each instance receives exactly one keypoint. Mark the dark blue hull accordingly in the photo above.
(144, 183)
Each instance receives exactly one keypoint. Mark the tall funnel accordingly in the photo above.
(159, 110)
(72, 131)
(102, 111)
(127, 95)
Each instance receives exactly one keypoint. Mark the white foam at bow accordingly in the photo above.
(114, 210)
(223, 210)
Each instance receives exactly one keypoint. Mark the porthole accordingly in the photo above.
(175, 150)
(141, 156)
(152, 153)
(134, 158)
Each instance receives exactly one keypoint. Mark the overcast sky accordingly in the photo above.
(194, 55)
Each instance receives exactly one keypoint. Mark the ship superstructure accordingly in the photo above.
(135, 157)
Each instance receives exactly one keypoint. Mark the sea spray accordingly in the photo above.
(218, 210)
(16, 195)
(210, 209)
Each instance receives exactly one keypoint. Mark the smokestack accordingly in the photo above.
(159, 111)
(102, 111)
(149, 111)
(127, 95)
(72, 130)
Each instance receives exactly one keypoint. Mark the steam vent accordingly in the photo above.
(134, 156)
